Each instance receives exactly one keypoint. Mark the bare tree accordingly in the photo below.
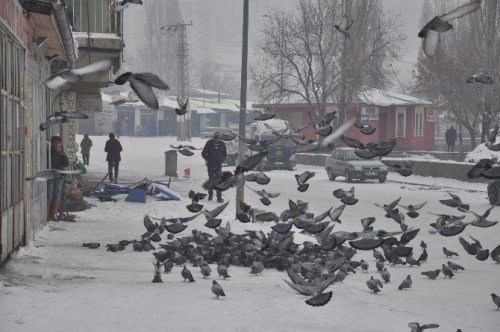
(303, 56)
(472, 46)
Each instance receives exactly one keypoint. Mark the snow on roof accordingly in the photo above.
(96, 35)
(208, 92)
(372, 96)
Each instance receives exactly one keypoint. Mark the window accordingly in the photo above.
(98, 19)
(419, 121)
(400, 121)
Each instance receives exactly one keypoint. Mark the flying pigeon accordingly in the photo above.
(217, 289)
(447, 271)
(412, 209)
(302, 179)
(64, 76)
(265, 195)
(495, 254)
(91, 245)
(344, 25)
(183, 107)
(51, 174)
(403, 167)
(416, 327)
(482, 166)
(364, 128)
(480, 220)
(455, 201)
(142, 84)
(480, 77)
(346, 196)
(61, 117)
(430, 32)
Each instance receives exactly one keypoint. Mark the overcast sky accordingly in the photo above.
(228, 16)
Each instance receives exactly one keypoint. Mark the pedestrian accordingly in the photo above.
(58, 160)
(118, 128)
(214, 154)
(451, 137)
(86, 144)
(113, 148)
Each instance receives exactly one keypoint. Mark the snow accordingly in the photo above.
(481, 152)
(53, 284)
(372, 96)
(96, 35)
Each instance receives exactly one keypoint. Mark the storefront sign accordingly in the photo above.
(369, 113)
(71, 146)
(431, 115)
(88, 103)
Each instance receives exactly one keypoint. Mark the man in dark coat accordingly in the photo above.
(58, 160)
(113, 148)
(214, 154)
(451, 137)
(86, 144)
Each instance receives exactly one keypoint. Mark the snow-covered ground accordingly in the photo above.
(56, 285)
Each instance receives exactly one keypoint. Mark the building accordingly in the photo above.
(410, 120)
(34, 36)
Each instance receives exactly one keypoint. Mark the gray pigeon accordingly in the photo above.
(430, 32)
(449, 253)
(205, 270)
(142, 84)
(416, 327)
(374, 285)
(431, 274)
(64, 76)
(186, 274)
(386, 276)
(91, 245)
(454, 267)
(217, 289)
(257, 267)
(495, 254)
(405, 283)
(480, 77)
(167, 266)
(222, 271)
(447, 271)
(496, 300)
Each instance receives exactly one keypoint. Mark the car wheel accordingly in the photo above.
(348, 177)
(331, 176)
(493, 193)
(381, 180)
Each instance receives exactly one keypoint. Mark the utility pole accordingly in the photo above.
(240, 190)
(184, 121)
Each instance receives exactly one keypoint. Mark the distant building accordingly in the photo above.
(410, 120)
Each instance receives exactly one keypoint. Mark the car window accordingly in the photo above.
(340, 155)
(350, 155)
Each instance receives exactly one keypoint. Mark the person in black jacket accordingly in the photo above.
(214, 154)
(113, 148)
(58, 160)
(451, 137)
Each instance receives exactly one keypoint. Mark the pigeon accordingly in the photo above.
(480, 220)
(416, 327)
(389, 207)
(157, 275)
(257, 267)
(259, 178)
(364, 266)
(119, 102)
(344, 25)
(114, 247)
(423, 245)
(406, 283)
(386, 276)
(167, 266)
(482, 166)
(91, 245)
(217, 289)
(205, 270)
(403, 167)
(222, 271)
(346, 197)
(265, 195)
(374, 285)
(455, 201)
(64, 76)
(335, 213)
(62, 117)
(142, 84)
(119, 6)
(379, 265)
(495, 254)
(186, 274)
(449, 253)
(412, 209)
(430, 32)
(454, 267)
(338, 133)
(51, 174)
(480, 77)
(365, 129)
(423, 256)
(447, 271)
(183, 107)
(431, 274)
(312, 288)
(302, 179)
(496, 300)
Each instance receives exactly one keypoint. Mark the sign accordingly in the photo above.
(369, 113)
(431, 115)
(88, 103)
(71, 146)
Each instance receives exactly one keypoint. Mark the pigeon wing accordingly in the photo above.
(430, 42)
(215, 212)
(152, 80)
(53, 120)
(93, 67)
(462, 10)
(149, 224)
(339, 131)
(76, 115)
(352, 142)
(144, 92)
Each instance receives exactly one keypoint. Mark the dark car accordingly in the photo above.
(280, 154)
(344, 162)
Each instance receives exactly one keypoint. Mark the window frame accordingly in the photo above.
(419, 124)
(400, 110)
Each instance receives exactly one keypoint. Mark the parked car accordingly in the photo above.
(344, 162)
(280, 155)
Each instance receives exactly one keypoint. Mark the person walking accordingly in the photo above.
(113, 148)
(58, 160)
(451, 137)
(86, 144)
(214, 154)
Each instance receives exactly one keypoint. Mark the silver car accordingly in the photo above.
(344, 162)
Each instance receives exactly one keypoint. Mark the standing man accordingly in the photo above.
(113, 148)
(86, 144)
(451, 137)
(214, 154)
(58, 160)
